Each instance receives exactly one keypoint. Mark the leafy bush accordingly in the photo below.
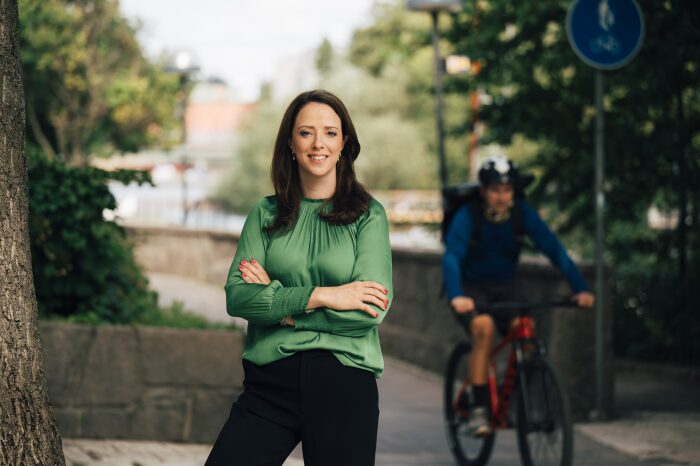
(83, 265)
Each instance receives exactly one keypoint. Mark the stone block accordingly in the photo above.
(112, 375)
(98, 422)
(203, 358)
(68, 421)
(162, 414)
(211, 410)
(65, 348)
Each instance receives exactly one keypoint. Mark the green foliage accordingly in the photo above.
(324, 57)
(544, 93)
(88, 88)
(82, 264)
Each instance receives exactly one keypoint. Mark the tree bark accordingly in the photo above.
(28, 434)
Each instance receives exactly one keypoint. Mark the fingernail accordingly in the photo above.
(253, 261)
(243, 261)
(375, 314)
(244, 275)
(386, 291)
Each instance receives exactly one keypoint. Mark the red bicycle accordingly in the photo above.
(541, 415)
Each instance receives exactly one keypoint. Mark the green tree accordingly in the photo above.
(83, 265)
(544, 93)
(88, 87)
(324, 57)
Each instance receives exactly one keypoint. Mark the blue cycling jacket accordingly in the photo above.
(494, 256)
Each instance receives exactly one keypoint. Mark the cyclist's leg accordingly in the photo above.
(481, 328)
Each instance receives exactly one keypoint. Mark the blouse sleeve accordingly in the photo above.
(257, 303)
(372, 263)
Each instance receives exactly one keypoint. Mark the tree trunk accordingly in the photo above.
(28, 434)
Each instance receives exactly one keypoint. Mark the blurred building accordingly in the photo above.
(214, 121)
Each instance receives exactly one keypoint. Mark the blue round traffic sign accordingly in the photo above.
(605, 34)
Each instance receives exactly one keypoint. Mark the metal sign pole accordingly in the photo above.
(606, 35)
(599, 241)
(438, 102)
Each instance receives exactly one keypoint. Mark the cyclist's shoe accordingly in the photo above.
(478, 425)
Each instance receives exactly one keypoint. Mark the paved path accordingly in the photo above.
(660, 422)
(410, 434)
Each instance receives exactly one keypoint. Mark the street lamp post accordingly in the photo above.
(434, 8)
(462, 64)
(183, 64)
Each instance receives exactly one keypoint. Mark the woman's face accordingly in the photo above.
(317, 140)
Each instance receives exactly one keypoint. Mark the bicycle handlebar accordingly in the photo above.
(523, 306)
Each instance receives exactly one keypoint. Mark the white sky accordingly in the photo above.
(242, 41)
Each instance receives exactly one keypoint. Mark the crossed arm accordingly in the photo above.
(352, 309)
(354, 296)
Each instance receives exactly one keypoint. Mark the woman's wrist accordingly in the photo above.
(318, 298)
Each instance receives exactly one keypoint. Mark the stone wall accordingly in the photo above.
(136, 382)
(419, 328)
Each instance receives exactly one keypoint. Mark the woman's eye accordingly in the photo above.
(305, 133)
(332, 133)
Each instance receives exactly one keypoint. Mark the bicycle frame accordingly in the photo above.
(522, 332)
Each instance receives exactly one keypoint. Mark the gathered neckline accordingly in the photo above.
(313, 201)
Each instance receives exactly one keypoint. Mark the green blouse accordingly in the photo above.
(312, 253)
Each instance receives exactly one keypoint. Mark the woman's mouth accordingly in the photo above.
(318, 158)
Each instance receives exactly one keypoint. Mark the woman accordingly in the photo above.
(312, 275)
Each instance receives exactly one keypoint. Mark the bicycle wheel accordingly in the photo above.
(545, 435)
(467, 449)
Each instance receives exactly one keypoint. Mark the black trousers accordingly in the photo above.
(309, 397)
(490, 293)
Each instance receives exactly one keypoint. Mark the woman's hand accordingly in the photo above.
(355, 296)
(252, 272)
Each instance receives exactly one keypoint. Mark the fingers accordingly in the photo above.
(377, 297)
(379, 287)
(260, 271)
(380, 303)
(252, 272)
(249, 272)
(365, 308)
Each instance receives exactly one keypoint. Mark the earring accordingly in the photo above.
(294, 157)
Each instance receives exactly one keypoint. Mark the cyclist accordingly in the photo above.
(482, 247)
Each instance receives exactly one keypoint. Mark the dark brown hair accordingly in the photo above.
(350, 199)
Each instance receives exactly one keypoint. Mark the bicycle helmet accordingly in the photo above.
(499, 169)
